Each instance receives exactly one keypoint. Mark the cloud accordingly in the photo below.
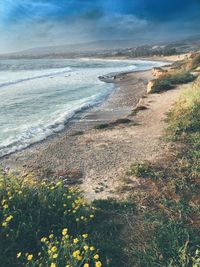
(28, 23)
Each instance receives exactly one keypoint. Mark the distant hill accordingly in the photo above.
(102, 47)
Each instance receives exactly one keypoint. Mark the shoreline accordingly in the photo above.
(112, 78)
(98, 113)
(97, 159)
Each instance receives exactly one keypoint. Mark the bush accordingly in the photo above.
(43, 224)
(169, 81)
(162, 84)
(180, 77)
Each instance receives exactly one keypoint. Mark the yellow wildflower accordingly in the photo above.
(86, 248)
(64, 231)
(92, 248)
(9, 218)
(5, 206)
(30, 257)
(85, 235)
(75, 240)
(19, 255)
(51, 236)
(54, 249)
(76, 253)
(3, 201)
(43, 239)
(98, 264)
(79, 258)
(4, 224)
(96, 257)
(53, 265)
(86, 265)
(55, 256)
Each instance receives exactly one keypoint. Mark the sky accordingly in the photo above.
(34, 23)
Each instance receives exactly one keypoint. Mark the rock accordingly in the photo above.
(158, 72)
(150, 86)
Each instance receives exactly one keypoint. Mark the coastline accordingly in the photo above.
(118, 104)
(94, 159)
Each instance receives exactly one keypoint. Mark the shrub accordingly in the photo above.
(161, 84)
(35, 211)
(169, 81)
(180, 77)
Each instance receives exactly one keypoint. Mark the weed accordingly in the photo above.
(142, 170)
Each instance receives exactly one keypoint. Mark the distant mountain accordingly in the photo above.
(75, 49)
(92, 48)
(65, 50)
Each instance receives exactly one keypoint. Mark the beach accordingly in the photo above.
(97, 159)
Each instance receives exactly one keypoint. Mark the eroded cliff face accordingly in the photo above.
(159, 72)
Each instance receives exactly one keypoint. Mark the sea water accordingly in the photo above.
(39, 96)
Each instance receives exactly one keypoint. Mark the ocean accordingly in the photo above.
(39, 96)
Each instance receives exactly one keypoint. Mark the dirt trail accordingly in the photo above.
(111, 152)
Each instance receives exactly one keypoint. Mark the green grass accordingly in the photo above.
(142, 170)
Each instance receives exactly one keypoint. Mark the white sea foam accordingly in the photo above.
(35, 77)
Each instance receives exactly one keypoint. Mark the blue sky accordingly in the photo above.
(30, 23)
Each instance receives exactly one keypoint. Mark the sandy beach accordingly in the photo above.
(97, 159)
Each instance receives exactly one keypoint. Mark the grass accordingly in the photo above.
(170, 234)
(142, 170)
(172, 79)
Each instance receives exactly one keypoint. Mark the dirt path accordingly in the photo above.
(111, 152)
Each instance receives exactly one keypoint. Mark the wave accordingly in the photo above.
(37, 134)
(46, 75)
